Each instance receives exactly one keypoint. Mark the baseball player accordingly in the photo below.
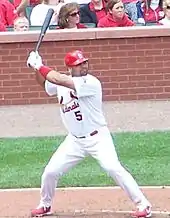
(80, 97)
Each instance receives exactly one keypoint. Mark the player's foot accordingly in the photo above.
(41, 211)
(142, 211)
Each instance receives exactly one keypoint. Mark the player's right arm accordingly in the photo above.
(35, 61)
(40, 79)
(83, 87)
(50, 88)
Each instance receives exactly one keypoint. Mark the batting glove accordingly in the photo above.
(34, 60)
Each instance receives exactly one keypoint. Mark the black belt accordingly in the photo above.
(91, 134)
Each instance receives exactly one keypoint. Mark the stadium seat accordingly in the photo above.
(10, 28)
(151, 24)
(90, 25)
(52, 27)
(34, 28)
(139, 24)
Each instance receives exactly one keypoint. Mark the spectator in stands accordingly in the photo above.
(20, 5)
(21, 24)
(152, 11)
(39, 12)
(166, 20)
(7, 13)
(131, 9)
(81, 2)
(116, 16)
(93, 11)
(166, 3)
(2, 27)
(69, 17)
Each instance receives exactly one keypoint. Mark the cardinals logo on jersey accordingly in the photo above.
(72, 96)
(70, 107)
(72, 104)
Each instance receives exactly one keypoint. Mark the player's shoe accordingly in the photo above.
(41, 211)
(142, 211)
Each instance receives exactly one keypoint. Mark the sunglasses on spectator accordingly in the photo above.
(75, 13)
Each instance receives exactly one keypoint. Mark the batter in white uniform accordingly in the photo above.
(80, 98)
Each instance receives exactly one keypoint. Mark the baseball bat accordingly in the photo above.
(44, 27)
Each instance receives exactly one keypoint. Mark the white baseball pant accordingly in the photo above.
(73, 150)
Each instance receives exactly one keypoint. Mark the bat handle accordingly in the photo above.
(39, 43)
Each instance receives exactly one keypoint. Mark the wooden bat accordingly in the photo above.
(44, 28)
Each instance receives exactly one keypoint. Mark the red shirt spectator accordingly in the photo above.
(150, 11)
(93, 11)
(7, 13)
(2, 27)
(20, 5)
(116, 16)
(110, 21)
(28, 2)
(100, 13)
(151, 15)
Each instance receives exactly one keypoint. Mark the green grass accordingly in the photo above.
(145, 155)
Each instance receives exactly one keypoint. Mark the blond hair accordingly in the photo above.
(20, 19)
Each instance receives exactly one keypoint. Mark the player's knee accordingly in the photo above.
(113, 168)
(50, 174)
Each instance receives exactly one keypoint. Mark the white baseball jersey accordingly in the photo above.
(81, 110)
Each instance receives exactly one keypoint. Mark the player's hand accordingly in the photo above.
(34, 60)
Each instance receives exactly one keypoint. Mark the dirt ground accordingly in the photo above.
(90, 203)
(21, 121)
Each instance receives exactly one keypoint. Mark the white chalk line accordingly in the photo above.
(80, 188)
(117, 211)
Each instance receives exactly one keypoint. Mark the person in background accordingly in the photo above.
(166, 20)
(166, 3)
(21, 24)
(93, 11)
(20, 5)
(152, 11)
(116, 16)
(7, 13)
(131, 9)
(2, 27)
(69, 17)
(39, 12)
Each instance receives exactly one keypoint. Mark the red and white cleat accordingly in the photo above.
(41, 211)
(142, 211)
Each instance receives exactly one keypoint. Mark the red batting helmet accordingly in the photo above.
(74, 58)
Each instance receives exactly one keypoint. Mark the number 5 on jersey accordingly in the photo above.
(78, 115)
